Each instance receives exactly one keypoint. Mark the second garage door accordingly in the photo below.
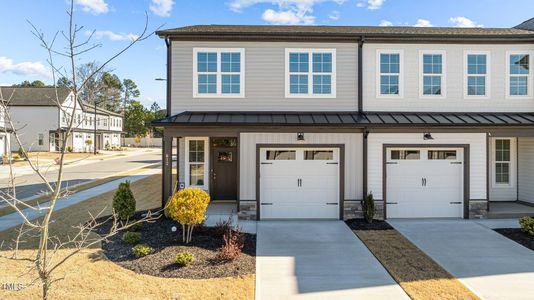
(299, 183)
(424, 183)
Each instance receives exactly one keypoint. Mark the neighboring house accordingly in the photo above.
(4, 135)
(305, 121)
(41, 122)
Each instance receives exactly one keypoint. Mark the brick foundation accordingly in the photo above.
(247, 210)
(353, 210)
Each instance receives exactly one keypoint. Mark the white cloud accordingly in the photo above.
(385, 23)
(99, 34)
(423, 23)
(26, 68)
(334, 15)
(288, 12)
(93, 6)
(162, 8)
(370, 4)
(463, 22)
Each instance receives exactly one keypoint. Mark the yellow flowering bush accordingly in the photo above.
(188, 207)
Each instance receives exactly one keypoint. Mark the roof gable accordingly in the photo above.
(32, 96)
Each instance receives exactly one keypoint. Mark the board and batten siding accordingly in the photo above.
(477, 148)
(353, 158)
(526, 169)
(503, 192)
(264, 79)
(454, 100)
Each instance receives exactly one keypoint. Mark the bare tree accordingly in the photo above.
(42, 262)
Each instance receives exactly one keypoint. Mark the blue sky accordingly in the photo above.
(115, 21)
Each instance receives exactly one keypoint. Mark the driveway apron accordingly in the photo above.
(491, 265)
(318, 260)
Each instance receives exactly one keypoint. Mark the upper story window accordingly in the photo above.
(518, 76)
(477, 74)
(310, 73)
(432, 74)
(218, 72)
(389, 73)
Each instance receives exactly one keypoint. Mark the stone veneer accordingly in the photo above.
(478, 209)
(353, 210)
(247, 210)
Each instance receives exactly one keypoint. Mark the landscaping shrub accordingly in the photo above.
(188, 207)
(135, 227)
(234, 240)
(527, 225)
(21, 153)
(132, 238)
(223, 226)
(142, 250)
(184, 258)
(124, 201)
(69, 149)
(368, 208)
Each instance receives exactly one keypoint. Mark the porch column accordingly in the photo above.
(166, 172)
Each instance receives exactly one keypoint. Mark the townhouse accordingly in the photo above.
(41, 117)
(305, 121)
(4, 134)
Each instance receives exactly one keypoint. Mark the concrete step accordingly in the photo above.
(509, 215)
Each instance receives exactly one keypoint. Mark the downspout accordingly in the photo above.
(169, 53)
(360, 74)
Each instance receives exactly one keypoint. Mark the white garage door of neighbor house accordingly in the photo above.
(424, 183)
(297, 183)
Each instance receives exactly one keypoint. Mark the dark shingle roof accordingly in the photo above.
(348, 119)
(91, 108)
(32, 96)
(354, 31)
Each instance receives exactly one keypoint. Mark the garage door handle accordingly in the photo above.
(329, 163)
(331, 203)
(455, 202)
(264, 163)
(266, 203)
(456, 162)
(391, 203)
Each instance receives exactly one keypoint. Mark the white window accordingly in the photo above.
(310, 73)
(502, 169)
(41, 139)
(477, 79)
(196, 157)
(389, 80)
(518, 74)
(218, 72)
(432, 74)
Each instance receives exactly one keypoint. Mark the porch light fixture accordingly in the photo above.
(427, 136)
(300, 136)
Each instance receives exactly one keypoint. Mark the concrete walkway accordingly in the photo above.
(491, 265)
(318, 260)
(14, 219)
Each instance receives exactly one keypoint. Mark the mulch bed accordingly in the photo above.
(361, 224)
(166, 244)
(518, 236)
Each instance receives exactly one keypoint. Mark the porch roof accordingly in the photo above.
(229, 118)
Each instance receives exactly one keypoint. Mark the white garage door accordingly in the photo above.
(424, 183)
(299, 183)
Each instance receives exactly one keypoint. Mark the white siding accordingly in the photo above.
(454, 101)
(32, 121)
(503, 193)
(353, 158)
(264, 79)
(526, 169)
(477, 142)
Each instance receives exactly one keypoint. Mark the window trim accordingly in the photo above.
(443, 74)
(529, 75)
(219, 74)
(206, 162)
(400, 52)
(310, 52)
(488, 74)
(511, 163)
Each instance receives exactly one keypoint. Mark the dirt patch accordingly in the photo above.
(518, 236)
(416, 273)
(361, 224)
(166, 244)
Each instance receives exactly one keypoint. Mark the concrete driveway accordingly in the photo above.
(489, 264)
(318, 260)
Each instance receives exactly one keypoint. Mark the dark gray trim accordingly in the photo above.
(360, 74)
(522, 202)
(166, 169)
(466, 163)
(168, 42)
(341, 148)
(235, 131)
(364, 162)
(516, 168)
(488, 153)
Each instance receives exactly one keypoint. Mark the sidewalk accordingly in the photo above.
(14, 219)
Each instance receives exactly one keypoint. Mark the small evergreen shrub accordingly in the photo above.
(184, 258)
(135, 227)
(368, 208)
(69, 149)
(124, 201)
(132, 238)
(527, 225)
(142, 250)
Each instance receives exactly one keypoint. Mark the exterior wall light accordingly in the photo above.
(427, 136)
(300, 136)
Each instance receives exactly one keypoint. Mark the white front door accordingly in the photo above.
(424, 182)
(299, 183)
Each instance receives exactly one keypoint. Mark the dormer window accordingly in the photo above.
(310, 73)
(218, 72)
